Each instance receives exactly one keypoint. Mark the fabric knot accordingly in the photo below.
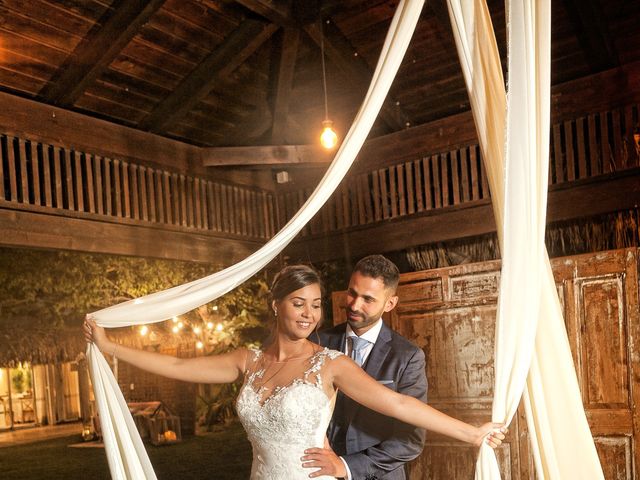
(358, 348)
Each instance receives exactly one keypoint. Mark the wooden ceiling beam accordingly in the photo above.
(589, 21)
(276, 11)
(267, 155)
(230, 54)
(283, 79)
(97, 51)
(340, 51)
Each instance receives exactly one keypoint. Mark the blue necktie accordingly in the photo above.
(358, 347)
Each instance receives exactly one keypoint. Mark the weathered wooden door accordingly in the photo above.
(450, 313)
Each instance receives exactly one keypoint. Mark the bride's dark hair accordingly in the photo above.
(290, 279)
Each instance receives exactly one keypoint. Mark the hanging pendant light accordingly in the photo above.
(328, 137)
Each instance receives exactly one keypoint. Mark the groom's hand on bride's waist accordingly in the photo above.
(325, 461)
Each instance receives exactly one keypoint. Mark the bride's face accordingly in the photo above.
(299, 312)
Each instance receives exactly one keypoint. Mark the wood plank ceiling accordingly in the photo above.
(248, 72)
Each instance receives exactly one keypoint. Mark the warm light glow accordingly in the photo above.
(144, 330)
(209, 325)
(199, 345)
(175, 319)
(197, 330)
(175, 329)
(214, 308)
(328, 138)
(219, 327)
(180, 325)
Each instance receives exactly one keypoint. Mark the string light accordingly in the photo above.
(199, 345)
(197, 330)
(175, 319)
(328, 137)
(209, 325)
(219, 327)
(144, 330)
(175, 329)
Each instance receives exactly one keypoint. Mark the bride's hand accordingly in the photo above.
(94, 333)
(491, 433)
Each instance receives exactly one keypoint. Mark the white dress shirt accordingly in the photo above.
(371, 335)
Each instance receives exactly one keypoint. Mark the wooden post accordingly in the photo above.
(46, 172)
(79, 187)
(90, 181)
(35, 173)
(24, 185)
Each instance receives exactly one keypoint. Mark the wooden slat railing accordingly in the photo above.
(38, 174)
(580, 148)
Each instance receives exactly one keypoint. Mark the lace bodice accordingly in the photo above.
(281, 425)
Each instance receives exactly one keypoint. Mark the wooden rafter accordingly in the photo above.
(275, 11)
(268, 155)
(338, 49)
(96, 52)
(589, 22)
(284, 82)
(233, 51)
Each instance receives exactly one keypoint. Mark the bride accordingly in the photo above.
(289, 388)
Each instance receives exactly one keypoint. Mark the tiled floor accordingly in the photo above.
(36, 434)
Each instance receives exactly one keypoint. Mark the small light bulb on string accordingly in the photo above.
(209, 325)
(199, 345)
(144, 330)
(219, 327)
(197, 330)
(328, 138)
(175, 329)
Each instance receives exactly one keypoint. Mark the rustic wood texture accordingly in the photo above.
(125, 60)
(35, 227)
(450, 314)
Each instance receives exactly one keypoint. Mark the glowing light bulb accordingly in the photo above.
(144, 330)
(214, 308)
(175, 319)
(209, 325)
(219, 327)
(199, 345)
(197, 330)
(328, 138)
(175, 329)
(180, 325)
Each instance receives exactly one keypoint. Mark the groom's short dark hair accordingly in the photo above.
(377, 266)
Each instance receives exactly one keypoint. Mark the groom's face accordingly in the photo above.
(367, 300)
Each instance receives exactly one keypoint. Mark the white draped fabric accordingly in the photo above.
(125, 451)
(532, 355)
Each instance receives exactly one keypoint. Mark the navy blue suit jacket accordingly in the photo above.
(373, 445)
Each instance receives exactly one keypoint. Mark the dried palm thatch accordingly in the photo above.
(594, 234)
(39, 345)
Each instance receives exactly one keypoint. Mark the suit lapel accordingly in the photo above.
(374, 362)
(379, 352)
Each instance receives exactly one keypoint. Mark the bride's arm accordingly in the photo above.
(224, 368)
(356, 384)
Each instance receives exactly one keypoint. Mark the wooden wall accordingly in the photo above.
(450, 313)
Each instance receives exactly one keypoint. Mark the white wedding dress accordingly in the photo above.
(292, 417)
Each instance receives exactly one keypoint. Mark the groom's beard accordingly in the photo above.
(358, 320)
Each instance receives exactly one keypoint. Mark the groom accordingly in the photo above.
(366, 445)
